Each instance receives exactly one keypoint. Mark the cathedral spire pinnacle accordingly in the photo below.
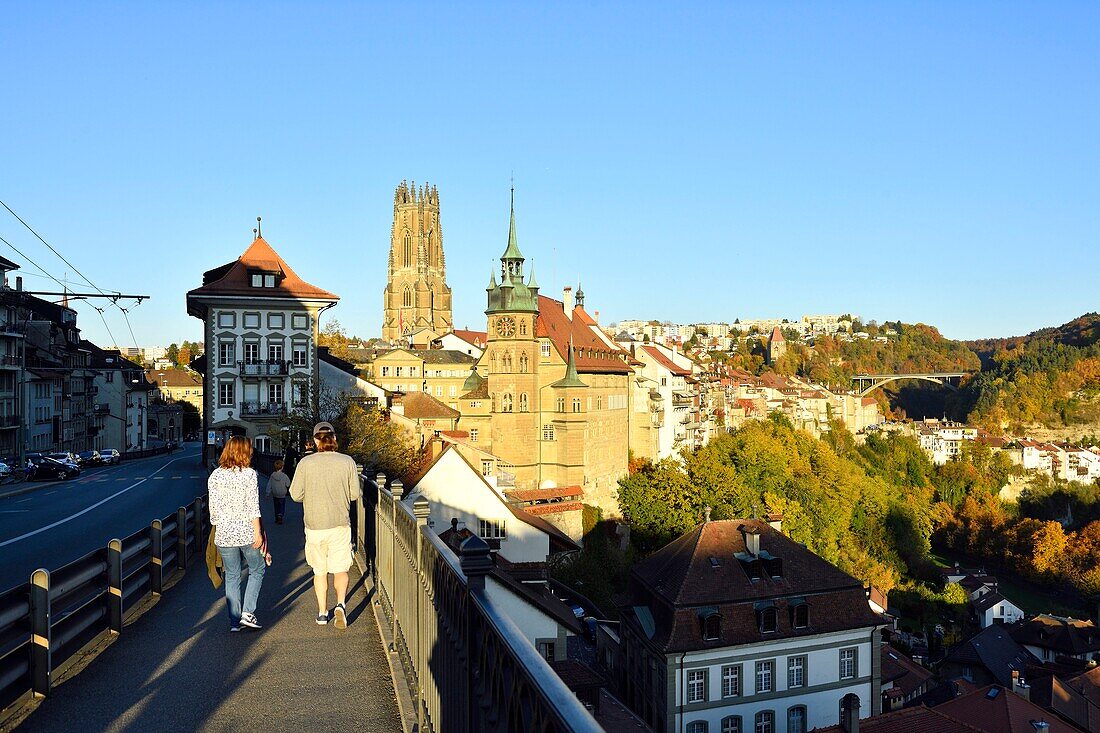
(512, 251)
(571, 378)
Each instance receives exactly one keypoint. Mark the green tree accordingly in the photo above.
(173, 354)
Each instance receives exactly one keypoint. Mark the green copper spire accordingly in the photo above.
(512, 252)
(473, 381)
(571, 378)
(531, 284)
(492, 280)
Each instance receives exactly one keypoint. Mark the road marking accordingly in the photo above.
(13, 511)
(49, 493)
(159, 478)
(82, 512)
(176, 478)
(21, 501)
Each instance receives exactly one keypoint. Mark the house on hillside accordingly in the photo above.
(989, 657)
(994, 608)
(1050, 637)
(734, 626)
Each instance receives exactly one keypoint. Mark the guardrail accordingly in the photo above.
(47, 622)
(466, 664)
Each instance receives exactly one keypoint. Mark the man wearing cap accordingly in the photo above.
(326, 483)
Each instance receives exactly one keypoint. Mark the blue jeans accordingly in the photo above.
(232, 561)
(280, 506)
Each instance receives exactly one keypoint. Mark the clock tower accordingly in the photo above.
(512, 356)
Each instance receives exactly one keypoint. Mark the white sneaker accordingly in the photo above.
(250, 620)
(340, 616)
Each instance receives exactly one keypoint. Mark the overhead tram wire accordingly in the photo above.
(28, 259)
(112, 296)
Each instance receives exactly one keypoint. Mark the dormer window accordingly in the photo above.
(711, 623)
(767, 620)
(263, 280)
(800, 614)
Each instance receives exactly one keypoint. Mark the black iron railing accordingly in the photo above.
(47, 622)
(466, 664)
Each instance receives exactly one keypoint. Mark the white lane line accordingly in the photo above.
(82, 512)
(49, 493)
(13, 511)
(23, 501)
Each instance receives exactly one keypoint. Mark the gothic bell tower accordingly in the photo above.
(417, 295)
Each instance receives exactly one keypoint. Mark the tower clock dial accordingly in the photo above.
(506, 326)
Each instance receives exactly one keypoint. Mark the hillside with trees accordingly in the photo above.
(1050, 377)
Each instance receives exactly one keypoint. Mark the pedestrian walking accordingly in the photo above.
(326, 482)
(238, 534)
(278, 484)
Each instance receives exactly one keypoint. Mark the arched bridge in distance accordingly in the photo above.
(867, 383)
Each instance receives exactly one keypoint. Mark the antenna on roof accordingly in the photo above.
(258, 230)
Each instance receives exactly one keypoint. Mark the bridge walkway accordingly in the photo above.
(177, 667)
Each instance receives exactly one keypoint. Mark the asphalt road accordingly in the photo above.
(62, 521)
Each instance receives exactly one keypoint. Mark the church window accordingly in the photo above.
(523, 328)
(407, 299)
(599, 403)
(545, 349)
(408, 250)
(523, 363)
(523, 402)
(506, 362)
(576, 404)
(506, 403)
(561, 404)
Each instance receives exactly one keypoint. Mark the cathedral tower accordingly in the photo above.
(417, 295)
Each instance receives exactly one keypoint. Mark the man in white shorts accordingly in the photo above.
(326, 483)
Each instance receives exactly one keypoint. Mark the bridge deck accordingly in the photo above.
(178, 668)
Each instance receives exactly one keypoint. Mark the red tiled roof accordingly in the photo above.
(455, 434)
(1002, 712)
(667, 363)
(907, 675)
(477, 338)
(422, 406)
(233, 278)
(591, 353)
(562, 492)
(777, 335)
(555, 508)
(174, 378)
(909, 720)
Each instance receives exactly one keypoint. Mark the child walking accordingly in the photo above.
(278, 484)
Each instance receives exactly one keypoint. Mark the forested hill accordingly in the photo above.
(1080, 332)
(1050, 377)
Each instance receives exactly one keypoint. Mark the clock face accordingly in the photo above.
(506, 327)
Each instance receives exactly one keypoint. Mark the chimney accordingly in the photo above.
(18, 282)
(849, 713)
(752, 541)
(567, 301)
(597, 316)
(775, 521)
(1019, 686)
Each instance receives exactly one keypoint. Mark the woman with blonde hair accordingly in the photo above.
(235, 513)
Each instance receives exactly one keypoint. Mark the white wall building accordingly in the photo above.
(260, 334)
(736, 627)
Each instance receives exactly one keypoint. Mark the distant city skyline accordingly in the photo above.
(688, 164)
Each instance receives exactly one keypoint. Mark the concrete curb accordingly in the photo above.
(406, 708)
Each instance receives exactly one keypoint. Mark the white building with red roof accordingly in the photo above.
(260, 333)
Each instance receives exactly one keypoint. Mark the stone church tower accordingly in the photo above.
(417, 295)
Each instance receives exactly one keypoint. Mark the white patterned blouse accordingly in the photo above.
(234, 503)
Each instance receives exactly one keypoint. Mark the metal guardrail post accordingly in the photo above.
(114, 586)
(181, 538)
(41, 662)
(474, 559)
(200, 527)
(398, 490)
(421, 510)
(156, 572)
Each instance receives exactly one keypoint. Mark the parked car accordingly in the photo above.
(66, 457)
(89, 458)
(46, 468)
(110, 456)
(5, 470)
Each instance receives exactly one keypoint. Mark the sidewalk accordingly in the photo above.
(178, 667)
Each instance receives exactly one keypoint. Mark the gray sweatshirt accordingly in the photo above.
(326, 484)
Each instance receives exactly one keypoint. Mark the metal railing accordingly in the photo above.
(47, 622)
(276, 368)
(467, 665)
(258, 409)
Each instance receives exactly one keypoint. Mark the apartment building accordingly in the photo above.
(735, 627)
(260, 325)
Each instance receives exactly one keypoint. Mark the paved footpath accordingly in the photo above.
(178, 668)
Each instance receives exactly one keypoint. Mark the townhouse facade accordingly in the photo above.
(260, 325)
(734, 627)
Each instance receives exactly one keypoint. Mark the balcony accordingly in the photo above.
(101, 409)
(263, 409)
(11, 361)
(258, 369)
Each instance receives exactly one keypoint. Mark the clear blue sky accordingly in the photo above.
(926, 162)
